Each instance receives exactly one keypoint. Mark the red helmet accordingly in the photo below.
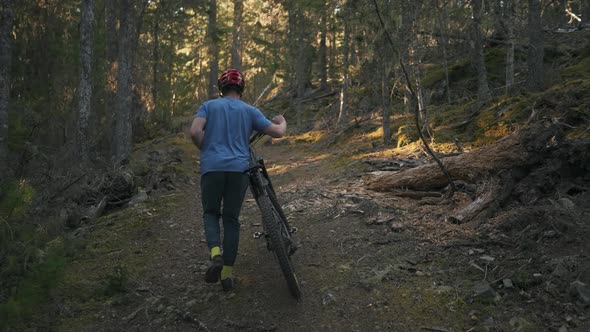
(231, 77)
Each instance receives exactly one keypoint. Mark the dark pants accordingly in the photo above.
(229, 187)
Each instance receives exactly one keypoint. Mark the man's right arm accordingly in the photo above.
(197, 131)
(278, 128)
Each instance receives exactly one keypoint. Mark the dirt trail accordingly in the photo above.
(367, 262)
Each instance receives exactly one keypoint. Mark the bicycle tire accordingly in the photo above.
(275, 202)
(272, 226)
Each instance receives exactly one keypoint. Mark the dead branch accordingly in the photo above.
(417, 108)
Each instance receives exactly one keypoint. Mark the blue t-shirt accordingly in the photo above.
(230, 123)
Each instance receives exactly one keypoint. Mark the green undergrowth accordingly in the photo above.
(115, 255)
(580, 70)
(30, 262)
(33, 289)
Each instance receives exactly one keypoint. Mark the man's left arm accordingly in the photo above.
(198, 131)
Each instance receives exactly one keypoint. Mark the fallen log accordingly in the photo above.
(515, 150)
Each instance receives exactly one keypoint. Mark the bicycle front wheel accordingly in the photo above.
(279, 242)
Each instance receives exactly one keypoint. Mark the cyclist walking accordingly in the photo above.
(221, 130)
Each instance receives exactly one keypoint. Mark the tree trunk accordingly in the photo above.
(236, 50)
(123, 125)
(85, 88)
(483, 91)
(585, 12)
(322, 50)
(333, 50)
(535, 79)
(563, 18)
(156, 62)
(385, 103)
(301, 63)
(342, 115)
(442, 21)
(6, 22)
(510, 46)
(407, 51)
(111, 65)
(213, 50)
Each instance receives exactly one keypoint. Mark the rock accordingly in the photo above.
(487, 259)
(187, 317)
(397, 226)
(507, 283)
(140, 197)
(62, 216)
(549, 234)
(190, 304)
(380, 219)
(520, 324)
(581, 292)
(169, 309)
(328, 299)
(567, 203)
(484, 292)
(371, 282)
(563, 328)
(444, 290)
(560, 271)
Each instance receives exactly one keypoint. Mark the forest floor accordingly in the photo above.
(368, 261)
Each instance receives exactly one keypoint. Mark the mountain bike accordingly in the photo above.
(277, 231)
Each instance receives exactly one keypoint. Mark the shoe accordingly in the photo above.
(229, 284)
(214, 270)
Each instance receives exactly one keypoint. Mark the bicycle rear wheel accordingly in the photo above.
(278, 238)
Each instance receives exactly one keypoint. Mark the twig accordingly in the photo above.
(264, 91)
(434, 328)
(66, 187)
(9, 228)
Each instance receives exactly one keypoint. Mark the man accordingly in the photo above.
(221, 129)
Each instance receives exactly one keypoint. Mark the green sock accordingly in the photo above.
(226, 272)
(215, 251)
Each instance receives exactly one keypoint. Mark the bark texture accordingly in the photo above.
(85, 88)
(111, 50)
(123, 128)
(342, 114)
(535, 78)
(236, 50)
(513, 151)
(322, 50)
(6, 23)
(483, 90)
(509, 26)
(213, 50)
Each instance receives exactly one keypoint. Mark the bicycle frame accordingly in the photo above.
(259, 179)
(277, 231)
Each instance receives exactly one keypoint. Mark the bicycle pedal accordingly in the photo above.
(258, 235)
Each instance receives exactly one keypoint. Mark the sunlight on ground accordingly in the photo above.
(308, 137)
(377, 134)
(278, 169)
(411, 150)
